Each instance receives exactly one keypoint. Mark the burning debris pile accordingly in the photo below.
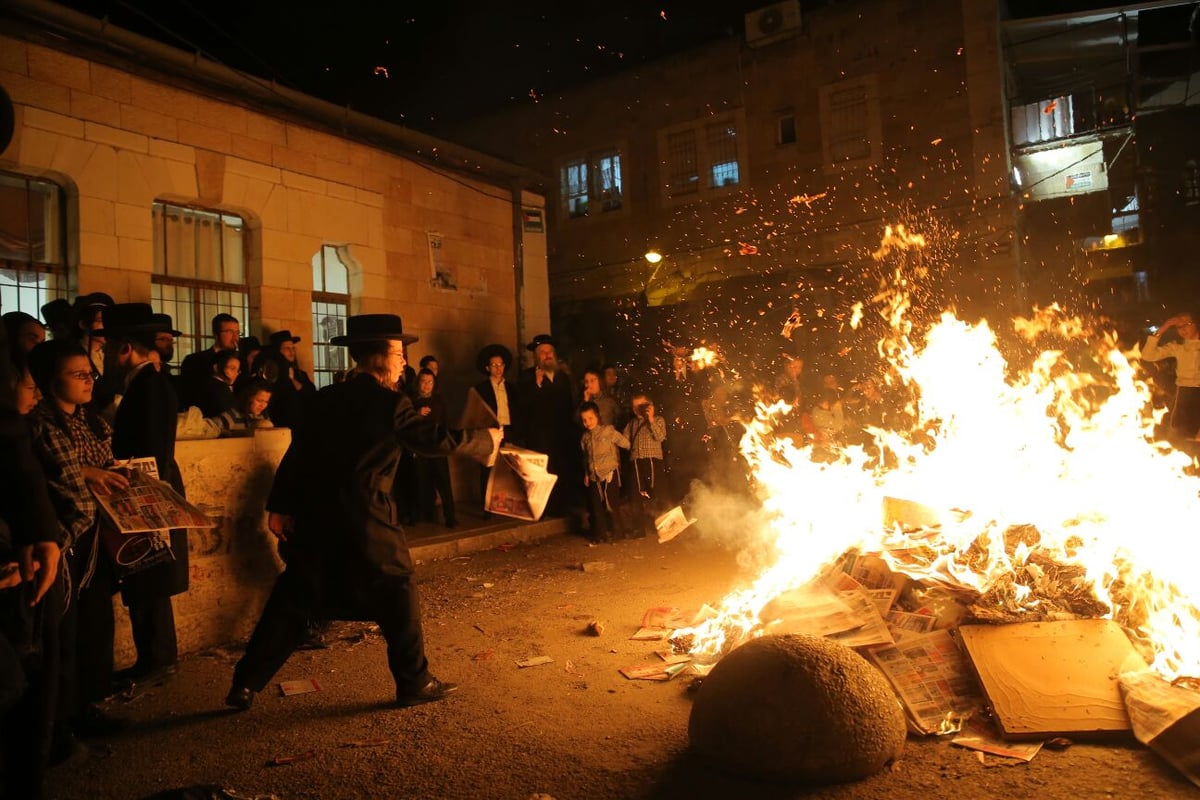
(997, 492)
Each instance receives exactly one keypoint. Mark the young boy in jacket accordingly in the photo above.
(602, 471)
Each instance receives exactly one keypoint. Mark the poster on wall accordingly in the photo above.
(441, 275)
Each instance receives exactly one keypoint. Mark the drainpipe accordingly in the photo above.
(518, 269)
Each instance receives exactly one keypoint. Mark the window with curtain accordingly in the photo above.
(33, 247)
(330, 307)
(199, 271)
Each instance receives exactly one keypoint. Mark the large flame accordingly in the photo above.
(1061, 451)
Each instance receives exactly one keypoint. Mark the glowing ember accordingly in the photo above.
(702, 357)
(1043, 476)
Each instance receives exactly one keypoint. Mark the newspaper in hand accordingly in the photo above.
(148, 504)
(519, 485)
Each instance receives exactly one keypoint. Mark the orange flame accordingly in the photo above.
(1064, 448)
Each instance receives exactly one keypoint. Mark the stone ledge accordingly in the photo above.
(458, 543)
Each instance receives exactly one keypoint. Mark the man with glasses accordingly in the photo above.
(198, 367)
(1185, 349)
(331, 508)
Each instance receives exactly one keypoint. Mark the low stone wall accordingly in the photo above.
(234, 564)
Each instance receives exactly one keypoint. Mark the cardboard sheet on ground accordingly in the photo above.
(519, 485)
(1053, 678)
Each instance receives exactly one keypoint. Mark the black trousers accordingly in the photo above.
(392, 602)
(33, 663)
(87, 632)
(152, 622)
(433, 481)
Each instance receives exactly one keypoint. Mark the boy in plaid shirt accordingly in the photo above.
(646, 432)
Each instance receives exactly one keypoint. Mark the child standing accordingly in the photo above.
(602, 470)
(433, 472)
(646, 432)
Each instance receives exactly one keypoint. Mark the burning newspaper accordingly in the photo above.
(933, 680)
(519, 485)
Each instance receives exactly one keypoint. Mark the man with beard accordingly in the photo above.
(164, 347)
(197, 367)
(545, 422)
(332, 510)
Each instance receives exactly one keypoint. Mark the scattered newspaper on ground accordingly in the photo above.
(671, 524)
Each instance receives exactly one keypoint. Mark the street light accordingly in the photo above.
(653, 257)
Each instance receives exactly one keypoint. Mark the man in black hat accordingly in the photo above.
(545, 422)
(291, 386)
(498, 393)
(88, 318)
(197, 368)
(332, 510)
(144, 426)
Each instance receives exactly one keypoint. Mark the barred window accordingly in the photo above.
(682, 175)
(722, 153)
(199, 271)
(330, 308)
(33, 269)
(851, 129)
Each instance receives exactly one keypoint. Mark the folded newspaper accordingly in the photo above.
(519, 485)
(135, 531)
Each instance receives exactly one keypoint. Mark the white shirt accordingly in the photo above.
(1186, 354)
(501, 402)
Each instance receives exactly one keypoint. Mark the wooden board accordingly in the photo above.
(1053, 678)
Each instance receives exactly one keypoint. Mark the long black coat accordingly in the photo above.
(145, 426)
(336, 480)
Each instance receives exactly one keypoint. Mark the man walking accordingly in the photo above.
(332, 510)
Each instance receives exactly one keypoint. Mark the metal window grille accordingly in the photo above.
(32, 243)
(1043, 121)
(608, 181)
(683, 176)
(199, 271)
(575, 188)
(849, 124)
(330, 308)
(721, 139)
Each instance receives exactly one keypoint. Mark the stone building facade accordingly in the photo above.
(154, 176)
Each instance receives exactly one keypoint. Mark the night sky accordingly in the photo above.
(430, 65)
(427, 65)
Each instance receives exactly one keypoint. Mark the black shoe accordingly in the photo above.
(431, 692)
(240, 697)
(96, 723)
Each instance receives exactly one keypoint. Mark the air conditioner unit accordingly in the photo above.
(772, 23)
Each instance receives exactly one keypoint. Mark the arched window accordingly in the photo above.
(330, 307)
(33, 243)
(199, 271)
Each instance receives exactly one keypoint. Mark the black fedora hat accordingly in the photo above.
(373, 328)
(125, 318)
(164, 324)
(279, 337)
(540, 339)
(491, 351)
(248, 344)
(93, 299)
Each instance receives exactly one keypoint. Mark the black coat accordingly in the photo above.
(287, 402)
(145, 427)
(545, 419)
(336, 481)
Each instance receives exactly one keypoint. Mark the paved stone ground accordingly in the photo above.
(573, 729)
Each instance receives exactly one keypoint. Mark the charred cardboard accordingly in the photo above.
(1045, 679)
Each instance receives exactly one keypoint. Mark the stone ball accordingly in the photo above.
(798, 709)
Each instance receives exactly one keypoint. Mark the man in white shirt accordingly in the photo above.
(493, 361)
(1185, 411)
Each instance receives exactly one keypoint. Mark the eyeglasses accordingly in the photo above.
(82, 375)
